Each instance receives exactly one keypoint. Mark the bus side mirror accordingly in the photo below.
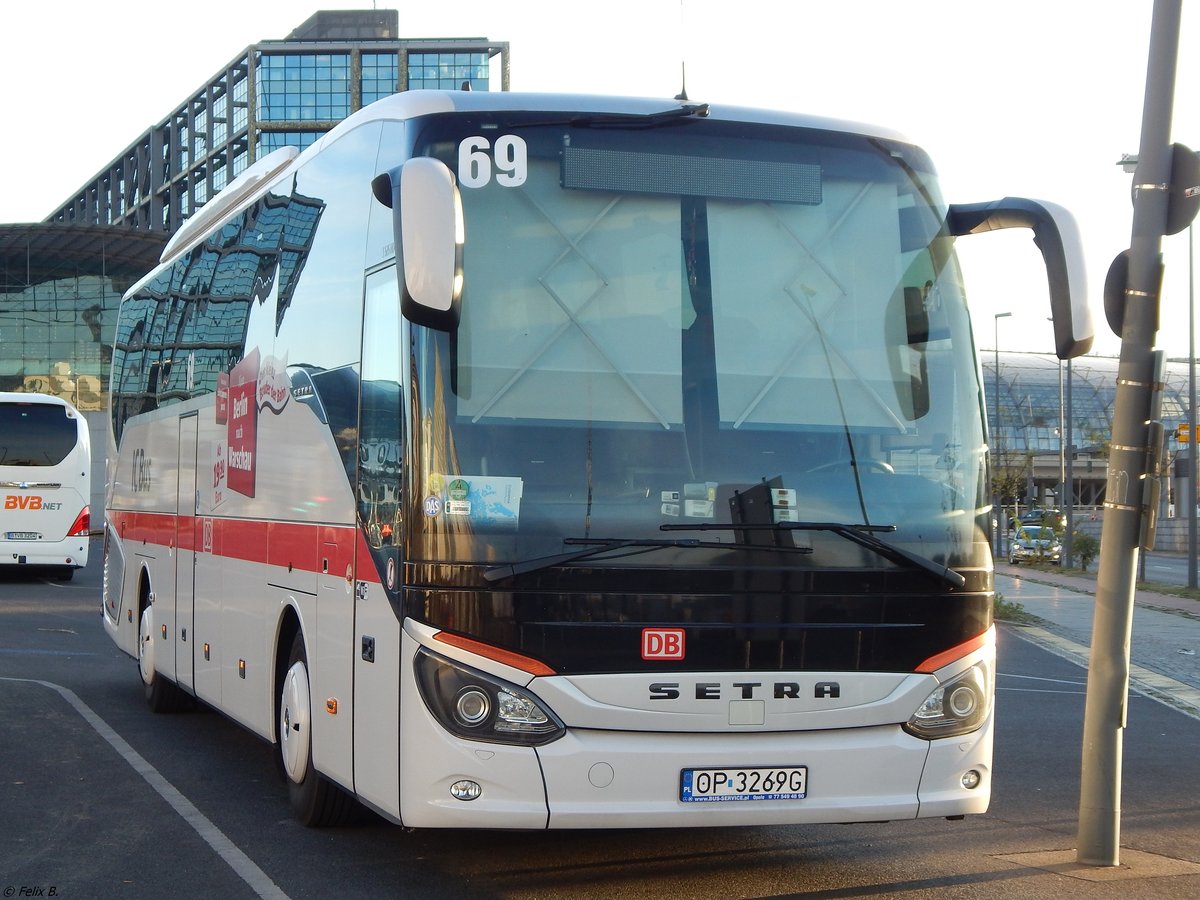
(427, 220)
(1057, 236)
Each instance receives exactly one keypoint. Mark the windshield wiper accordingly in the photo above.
(857, 534)
(594, 548)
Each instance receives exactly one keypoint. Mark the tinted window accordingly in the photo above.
(35, 434)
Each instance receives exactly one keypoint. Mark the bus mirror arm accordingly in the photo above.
(1057, 236)
(427, 220)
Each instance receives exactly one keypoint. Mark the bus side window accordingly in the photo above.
(381, 428)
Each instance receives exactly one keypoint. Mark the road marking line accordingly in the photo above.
(1167, 691)
(1071, 682)
(258, 880)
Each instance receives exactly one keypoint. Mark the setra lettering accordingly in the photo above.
(743, 690)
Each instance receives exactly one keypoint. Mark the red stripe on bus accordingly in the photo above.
(321, 549)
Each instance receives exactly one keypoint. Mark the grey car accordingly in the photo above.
(1035, 543)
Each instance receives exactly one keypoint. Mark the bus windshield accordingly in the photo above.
(697, 323)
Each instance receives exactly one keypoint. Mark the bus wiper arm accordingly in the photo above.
(858, 534)
(864, 538)
(594, 548)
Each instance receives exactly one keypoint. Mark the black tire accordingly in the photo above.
(316, 801)
(162, 694)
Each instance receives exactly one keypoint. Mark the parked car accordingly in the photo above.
(1036, 543)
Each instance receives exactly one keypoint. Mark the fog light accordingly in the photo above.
(971, 779)
(465, 790)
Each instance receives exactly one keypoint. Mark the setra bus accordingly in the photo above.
(45, 483)
(548, 461)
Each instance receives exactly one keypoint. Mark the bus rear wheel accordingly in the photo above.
(316, 801)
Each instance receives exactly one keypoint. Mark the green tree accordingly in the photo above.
(1085, 546)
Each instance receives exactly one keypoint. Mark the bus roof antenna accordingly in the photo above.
(682, 95)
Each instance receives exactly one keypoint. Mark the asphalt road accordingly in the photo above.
(1165, 568)
(102, 798)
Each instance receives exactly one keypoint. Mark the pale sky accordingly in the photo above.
(1035, 98)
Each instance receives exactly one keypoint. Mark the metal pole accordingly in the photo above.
(1108, 668)
(1192, 444)
(1069, 477)
(1062, 438)
(998, 508)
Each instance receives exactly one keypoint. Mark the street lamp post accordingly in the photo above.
(1192, 445)
(1062, 438)
(1069, 476)
(996, 508)
(1140, 277)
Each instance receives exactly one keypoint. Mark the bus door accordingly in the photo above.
(376, 635)
(185, 551)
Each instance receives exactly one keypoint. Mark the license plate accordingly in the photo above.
(21, 535)
(724, 785)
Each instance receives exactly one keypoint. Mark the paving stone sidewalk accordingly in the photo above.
(1166, 629)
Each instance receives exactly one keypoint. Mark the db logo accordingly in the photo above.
(662, 643)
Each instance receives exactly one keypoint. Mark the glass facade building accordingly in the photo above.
(1029, 430)
(59, 290)
(274, 93)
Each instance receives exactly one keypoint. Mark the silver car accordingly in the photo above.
(1035, 542)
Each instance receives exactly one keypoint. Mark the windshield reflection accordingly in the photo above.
(632, 360)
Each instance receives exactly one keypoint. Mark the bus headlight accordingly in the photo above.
(472, 707)
(479, 707)
(959, 706)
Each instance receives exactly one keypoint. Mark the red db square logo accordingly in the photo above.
(662, 643)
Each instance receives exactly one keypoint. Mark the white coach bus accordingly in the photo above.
(523, 461)
(45, 483)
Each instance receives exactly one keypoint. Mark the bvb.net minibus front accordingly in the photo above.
(599, 463)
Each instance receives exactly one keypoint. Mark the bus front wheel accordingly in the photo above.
(162, 694)
(315, 800)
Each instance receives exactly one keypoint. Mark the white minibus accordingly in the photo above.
(45, 483)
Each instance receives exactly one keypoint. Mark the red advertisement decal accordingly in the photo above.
(242, 427)
(222, 398)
